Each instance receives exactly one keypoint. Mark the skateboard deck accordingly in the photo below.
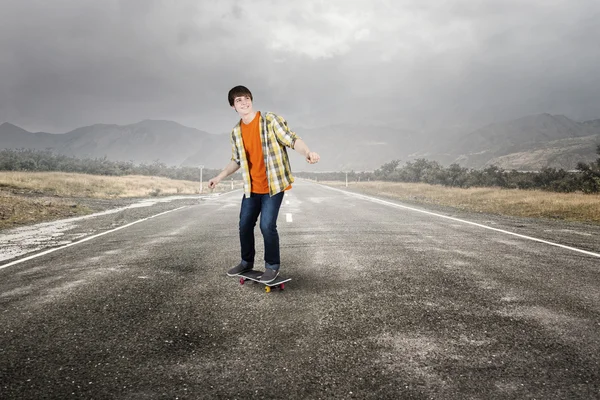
(254, 275)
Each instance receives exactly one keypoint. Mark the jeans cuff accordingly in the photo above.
(274, 267)
(246, 263)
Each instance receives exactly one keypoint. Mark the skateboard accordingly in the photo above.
(254, 275)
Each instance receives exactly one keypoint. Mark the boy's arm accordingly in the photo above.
(302, 148)
(228, 170)
(288, 138)
(284, 135)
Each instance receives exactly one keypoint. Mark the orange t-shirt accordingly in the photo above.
(254, 153)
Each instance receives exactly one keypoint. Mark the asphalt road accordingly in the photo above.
(384, 302)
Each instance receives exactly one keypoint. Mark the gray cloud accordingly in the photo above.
(418, 63)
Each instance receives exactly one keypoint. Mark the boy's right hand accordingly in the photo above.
(213, 183)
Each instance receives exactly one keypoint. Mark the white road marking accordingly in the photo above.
(10, 264)
(288, 217)
(287, 202)
(389, 203)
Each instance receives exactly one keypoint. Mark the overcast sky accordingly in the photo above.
(416, 63)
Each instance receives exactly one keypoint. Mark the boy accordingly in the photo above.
(258, 146)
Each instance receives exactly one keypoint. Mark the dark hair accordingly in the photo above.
(238, 91)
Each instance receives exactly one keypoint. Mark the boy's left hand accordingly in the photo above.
(312, 157)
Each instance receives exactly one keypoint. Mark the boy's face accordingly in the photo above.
(242, 105)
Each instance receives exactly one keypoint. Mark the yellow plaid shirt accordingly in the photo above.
(275, 136)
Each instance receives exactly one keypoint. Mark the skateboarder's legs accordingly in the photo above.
(268, 208)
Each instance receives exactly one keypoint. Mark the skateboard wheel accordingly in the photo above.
(242, 281)
(268, 289)
(282, 286)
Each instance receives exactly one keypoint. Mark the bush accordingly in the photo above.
(586, 179)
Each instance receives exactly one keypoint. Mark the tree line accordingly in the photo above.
(586, 178)
(46, 160)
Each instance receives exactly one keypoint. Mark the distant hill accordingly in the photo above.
(562, 153)
(145, 141)
(13, 137)
(527, 143)
(593, 124)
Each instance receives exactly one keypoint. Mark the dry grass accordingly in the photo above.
(29, 197)
(94, 186)
(20, 210)
(519, 203)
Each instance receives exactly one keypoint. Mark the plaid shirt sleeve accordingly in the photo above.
(282, 131)
(235, 152)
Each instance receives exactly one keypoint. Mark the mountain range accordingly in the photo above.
(528, 143)
(146, 141)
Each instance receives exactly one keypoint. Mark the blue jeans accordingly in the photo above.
(268, 208)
